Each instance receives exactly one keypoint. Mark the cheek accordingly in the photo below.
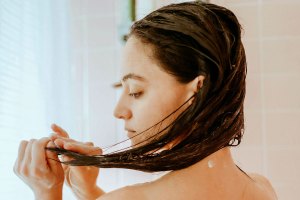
(152, 111)
(146, 114)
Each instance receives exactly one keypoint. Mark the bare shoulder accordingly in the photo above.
(125, 193)
(264, 185)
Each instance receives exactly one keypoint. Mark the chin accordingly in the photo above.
(136, 143)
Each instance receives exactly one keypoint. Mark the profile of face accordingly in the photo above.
(149, 94)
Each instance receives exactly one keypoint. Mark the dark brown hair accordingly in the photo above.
(189, 39)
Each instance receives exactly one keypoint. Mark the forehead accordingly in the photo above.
(138, 59)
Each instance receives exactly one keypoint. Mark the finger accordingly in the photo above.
(54, 136)
(21, 152)
(83, 148)
(89, 143)
(27, 153)
(38, 154)
(52, 159)
(60, 131)
(61, 141)
(79, 147)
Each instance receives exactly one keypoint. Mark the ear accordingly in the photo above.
(197, 83)
(195, 86)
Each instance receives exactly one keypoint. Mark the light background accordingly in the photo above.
(272, 108)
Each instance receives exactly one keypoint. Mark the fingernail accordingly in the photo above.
(56, 145)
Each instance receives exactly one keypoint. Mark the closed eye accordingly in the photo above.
(136, 94)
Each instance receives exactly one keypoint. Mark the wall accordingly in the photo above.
(272, 107)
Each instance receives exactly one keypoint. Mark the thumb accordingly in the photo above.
(60, 131)
(53, 160)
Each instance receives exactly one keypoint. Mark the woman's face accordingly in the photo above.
(149, 94)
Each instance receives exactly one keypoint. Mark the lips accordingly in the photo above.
(130, 132)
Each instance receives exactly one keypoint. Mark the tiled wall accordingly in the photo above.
(271, 144)
(272, 108)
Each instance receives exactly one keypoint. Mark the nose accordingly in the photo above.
(122, 111)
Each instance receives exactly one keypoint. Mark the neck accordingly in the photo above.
(214, 174)
(215, 164)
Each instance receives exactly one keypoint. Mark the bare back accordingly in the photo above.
(259, 189)
(224, 180)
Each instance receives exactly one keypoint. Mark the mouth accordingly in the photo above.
(130, 132)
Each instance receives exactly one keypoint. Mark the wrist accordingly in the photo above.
(49, 194)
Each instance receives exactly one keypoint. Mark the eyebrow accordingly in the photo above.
(133, 76)
(128, 76)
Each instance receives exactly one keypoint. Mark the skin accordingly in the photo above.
(223, 181)
(147, 97)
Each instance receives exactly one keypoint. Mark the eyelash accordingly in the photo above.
(135, 95)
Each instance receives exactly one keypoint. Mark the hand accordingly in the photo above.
(39, 169)
(81, 179)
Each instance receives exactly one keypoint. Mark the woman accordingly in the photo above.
(183, 80)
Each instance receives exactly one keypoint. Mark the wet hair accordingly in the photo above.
(188, 40)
